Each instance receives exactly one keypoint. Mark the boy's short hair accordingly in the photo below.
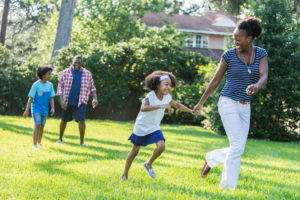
(153, 79)
(42, 70)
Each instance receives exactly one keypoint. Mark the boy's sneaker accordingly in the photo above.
(35, 147)
(83, 145)
(150, 171)
(39, 144)
(59, 141)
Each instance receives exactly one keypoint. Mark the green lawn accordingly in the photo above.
(269, 170)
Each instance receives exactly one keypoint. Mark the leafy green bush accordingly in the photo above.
(275, 109)
(14, 93)
(4, 57)
(119, 72)
(17, 78)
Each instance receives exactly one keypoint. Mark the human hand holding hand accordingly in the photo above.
(197, 109)
(194, 113)
(252, 89)
(197, 112)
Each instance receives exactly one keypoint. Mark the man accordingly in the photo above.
(74, 87)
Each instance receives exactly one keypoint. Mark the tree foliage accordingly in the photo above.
(275, 113)
(25, 19)
(119, 70)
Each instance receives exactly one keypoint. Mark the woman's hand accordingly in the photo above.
(197, 109)
(252, 89)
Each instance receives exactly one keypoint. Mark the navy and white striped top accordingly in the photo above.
(237, 76)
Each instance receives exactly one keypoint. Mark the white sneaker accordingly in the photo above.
(39, 144)
(35, 147)
(150, 171)
(83, 145)
(123, 178)
(59, 141)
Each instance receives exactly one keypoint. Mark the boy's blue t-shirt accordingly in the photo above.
(41, 94)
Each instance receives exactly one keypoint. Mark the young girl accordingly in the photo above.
(40, 93)
(147, 126)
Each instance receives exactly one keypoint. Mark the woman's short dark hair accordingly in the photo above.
(153, 79)
(42, 70)
(251, 25)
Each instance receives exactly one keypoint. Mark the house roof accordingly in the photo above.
(215, 23)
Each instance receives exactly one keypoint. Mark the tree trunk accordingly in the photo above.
(64, 27)
(297, 6)
(4, 21)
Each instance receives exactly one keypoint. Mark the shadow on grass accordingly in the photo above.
(116, 154)
(28, 131)
(187, 130)
(16, 128)
(278, 190)
(272, 168)
(53, 166)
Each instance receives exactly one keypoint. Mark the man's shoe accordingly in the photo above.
(59, 141)
(123, 178)
(205, 170)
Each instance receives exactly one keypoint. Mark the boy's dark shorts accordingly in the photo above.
(67, 115)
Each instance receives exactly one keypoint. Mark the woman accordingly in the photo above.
(246, 68)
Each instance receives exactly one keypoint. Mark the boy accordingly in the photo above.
(40, 94)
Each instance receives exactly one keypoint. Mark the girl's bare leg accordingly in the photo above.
(132, 154)
(160, 147)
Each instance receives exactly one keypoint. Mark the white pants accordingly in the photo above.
(236, 119)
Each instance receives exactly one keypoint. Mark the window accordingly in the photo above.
(198, 41)
(205, 42)
(189, 42)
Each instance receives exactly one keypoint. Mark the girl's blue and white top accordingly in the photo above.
(237, 76)
(148, 122)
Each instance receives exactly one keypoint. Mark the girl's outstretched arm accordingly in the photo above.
(179, 106)
(146, 106)
(26, 112)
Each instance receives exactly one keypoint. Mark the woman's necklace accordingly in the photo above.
(245, 60)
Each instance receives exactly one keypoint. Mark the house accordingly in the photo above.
(207, 32)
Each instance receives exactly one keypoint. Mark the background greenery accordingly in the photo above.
(120, 51)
